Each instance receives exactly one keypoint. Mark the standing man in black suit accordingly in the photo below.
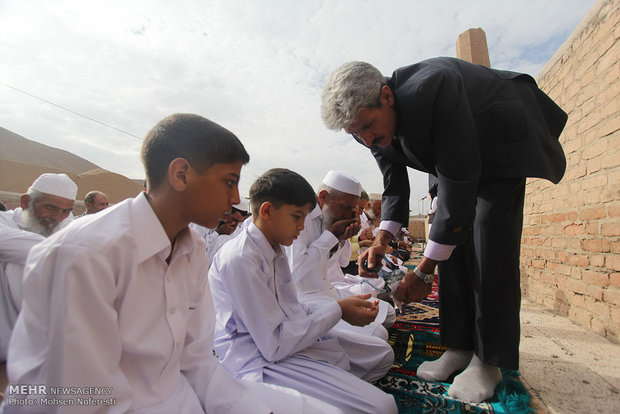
(481, 132)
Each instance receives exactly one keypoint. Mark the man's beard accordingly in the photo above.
(44, 227)
(328, 217)
(370, 213)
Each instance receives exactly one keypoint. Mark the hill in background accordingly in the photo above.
(23, 160)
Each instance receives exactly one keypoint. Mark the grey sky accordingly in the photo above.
(255, 67)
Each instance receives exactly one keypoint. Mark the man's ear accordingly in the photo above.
(386, 96)
(178, 172)
(323, 198)
(24, 201)
(265, 210)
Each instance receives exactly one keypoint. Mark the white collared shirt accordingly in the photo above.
(102, 308)
(259, 318)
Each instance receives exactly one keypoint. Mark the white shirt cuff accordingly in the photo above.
(391, 226)
(437, 251)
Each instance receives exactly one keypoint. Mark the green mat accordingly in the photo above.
(416, 342)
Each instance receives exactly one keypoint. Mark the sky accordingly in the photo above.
(256, 67)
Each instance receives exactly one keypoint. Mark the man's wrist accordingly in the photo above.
(426, 278)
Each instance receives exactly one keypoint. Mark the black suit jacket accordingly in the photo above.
(466, 123)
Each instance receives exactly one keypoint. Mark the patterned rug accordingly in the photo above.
(415, 339)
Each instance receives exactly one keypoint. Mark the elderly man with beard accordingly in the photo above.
(43, 210)
(321, 248)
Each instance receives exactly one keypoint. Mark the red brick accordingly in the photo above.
(595, 278)
(596, 245)
(597, 260)
(574, 229)
(562, 257)
(615, 247)
(614, 280)
(555, 218)
(608, 127)
(610, 229)
(592, 213)
(578, 260)
(592, 228)
(559, 243)
(563, 269)
(595, 292)
(597, 181)
(610, 160)
(612, 296)
(613, 263)
(538, 264)
(614, 210)
(600, 146)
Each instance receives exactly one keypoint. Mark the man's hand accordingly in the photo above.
(345, 229)
(357, 310)
(412, 289)
(377, 249)
(366, 234)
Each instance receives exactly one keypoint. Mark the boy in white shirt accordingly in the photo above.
(117, 307)
(263, 332)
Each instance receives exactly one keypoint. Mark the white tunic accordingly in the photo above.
(102, 308)
(263, 333)
(310, 263)
(259, 318)
(15, 244)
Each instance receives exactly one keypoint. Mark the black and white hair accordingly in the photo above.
(351, 87)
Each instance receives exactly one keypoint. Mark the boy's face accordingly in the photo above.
(286, 223)
(211, 195)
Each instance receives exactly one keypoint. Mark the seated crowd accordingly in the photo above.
(189, 298)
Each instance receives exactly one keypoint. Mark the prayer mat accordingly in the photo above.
(415, 339)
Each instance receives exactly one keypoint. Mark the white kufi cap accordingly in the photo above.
(244, 205)
(343, 182)
(55, 184)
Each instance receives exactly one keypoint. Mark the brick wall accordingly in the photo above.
(571, 231)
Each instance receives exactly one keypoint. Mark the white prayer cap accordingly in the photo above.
(55, 184)
(343, 182)
(244, 205)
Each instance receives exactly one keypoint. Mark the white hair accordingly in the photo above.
(348, 89)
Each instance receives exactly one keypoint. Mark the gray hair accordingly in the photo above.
(331, 191)
(348, 89)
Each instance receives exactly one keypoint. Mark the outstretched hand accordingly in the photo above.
(412, 289)
(357, 310)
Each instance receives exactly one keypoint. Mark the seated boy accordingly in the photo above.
(117, 307)
(263, 333)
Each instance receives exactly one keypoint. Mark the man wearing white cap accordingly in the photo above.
(44, 208)
(319, 248)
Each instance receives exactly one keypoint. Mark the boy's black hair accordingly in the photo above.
(281, 186)
(200, 141)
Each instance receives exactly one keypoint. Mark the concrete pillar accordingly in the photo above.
(471, 46)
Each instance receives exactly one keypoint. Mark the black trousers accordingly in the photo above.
(479, 285)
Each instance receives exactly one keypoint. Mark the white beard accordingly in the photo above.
(328, 218)
(371, 214)
(34, 225)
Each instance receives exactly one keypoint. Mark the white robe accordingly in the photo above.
(15, 244)
(264, 333)
(309, 260)
(103, 308)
